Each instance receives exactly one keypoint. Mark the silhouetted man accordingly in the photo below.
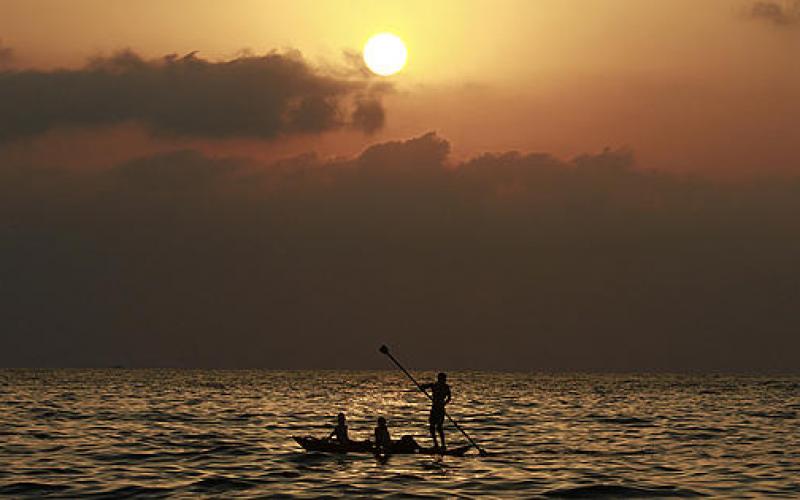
(441, 396)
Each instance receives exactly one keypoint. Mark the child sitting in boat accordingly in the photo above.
(383, 441)
(385, 445)
(340, 431)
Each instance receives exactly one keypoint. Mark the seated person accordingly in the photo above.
(340, 431)
(407, 444)
(383, 441)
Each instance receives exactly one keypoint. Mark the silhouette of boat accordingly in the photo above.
(325, 446)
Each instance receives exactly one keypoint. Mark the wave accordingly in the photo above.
(135, 491)
(221, 483)
(622, 420)
(779, 415)
(621, 491)
(571, 444)
(126, 457)
(611, 453)
(31, 488)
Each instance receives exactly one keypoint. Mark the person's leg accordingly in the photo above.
(440, 428)
(433, 434)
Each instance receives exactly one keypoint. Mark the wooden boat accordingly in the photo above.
(326, 446)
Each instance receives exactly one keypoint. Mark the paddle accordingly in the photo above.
(385, 350)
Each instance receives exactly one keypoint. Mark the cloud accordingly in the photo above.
(369, 115)
(779, 13)
(6, 55)
(505, 261)
(249, 96)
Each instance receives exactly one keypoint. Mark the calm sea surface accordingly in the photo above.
(150, 433)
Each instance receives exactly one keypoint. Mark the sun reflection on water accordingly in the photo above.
(151, 432)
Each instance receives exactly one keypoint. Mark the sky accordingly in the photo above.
(554, 185)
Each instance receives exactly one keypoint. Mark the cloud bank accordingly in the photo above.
(6, 55)
(505, 261)
(250, 96)
(779, 13)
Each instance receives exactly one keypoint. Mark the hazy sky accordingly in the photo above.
(709, 85)
(204, 183)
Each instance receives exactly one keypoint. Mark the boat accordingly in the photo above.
(325, 446)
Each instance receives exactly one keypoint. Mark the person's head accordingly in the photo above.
(442, 377)
(340, 418)
(381, 422)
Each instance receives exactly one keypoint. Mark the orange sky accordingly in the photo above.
(148, 223)
(688, 85)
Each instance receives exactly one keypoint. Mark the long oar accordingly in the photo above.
(385, 350)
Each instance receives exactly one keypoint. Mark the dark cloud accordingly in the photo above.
(509, 261)
(780, 13)
(369, 115)
(6, 55)
(250, 96)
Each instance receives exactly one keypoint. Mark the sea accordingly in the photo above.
(118, 433)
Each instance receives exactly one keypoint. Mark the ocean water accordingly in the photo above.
(227, 434)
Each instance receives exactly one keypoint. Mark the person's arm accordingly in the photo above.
(425, 387)
(448, 396)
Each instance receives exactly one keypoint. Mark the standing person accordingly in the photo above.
(440, 396)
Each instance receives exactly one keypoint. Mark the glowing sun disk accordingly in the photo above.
(385, 54)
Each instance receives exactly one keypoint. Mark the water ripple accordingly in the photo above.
(165, 433)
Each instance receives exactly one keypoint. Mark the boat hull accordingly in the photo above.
(325, 446)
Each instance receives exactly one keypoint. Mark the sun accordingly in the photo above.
(385, 54)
